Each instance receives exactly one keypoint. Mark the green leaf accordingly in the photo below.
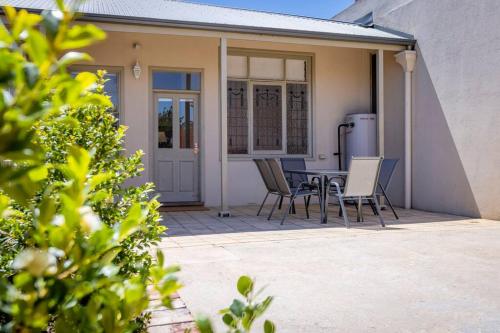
(51, 21)
(229, 320)
(80, 36)
(204, 325)
(73, 57)
(32, 74)
(237, 308)
(160, 257)
(36, 47)
(245, 285)
(269, 327)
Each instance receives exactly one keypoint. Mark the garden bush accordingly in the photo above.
(75, 239)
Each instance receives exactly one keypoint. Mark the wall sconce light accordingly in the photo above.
(136, 70)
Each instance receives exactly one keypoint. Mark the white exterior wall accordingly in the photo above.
(456, 100)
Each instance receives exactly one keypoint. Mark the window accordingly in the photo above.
(268, 104)
(111, 87)
(177, 80)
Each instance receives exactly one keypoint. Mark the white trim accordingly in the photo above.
(119, 27)
(224, 209)
(380, 102)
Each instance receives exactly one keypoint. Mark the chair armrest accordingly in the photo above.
(337, 187)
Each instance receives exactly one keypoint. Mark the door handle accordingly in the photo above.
(196, 148)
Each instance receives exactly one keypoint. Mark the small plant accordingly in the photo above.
(240, 316)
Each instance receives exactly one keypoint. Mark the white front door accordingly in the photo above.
(177, 153)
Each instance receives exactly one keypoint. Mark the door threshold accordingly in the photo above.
(182, 204)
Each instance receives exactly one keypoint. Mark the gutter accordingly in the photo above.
(404, 41)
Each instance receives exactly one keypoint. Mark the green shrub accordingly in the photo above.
(76, 240)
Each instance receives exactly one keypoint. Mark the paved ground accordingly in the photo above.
(425, 273)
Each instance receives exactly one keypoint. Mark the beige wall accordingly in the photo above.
(341, 85)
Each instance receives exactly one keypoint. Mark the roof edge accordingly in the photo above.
(403, 41)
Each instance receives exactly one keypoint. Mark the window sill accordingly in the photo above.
(251, 157)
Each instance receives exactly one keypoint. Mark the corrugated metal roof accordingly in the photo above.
(181, 13)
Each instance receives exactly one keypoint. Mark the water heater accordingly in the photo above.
(360, 136)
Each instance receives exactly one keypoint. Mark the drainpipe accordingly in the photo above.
(407, 60)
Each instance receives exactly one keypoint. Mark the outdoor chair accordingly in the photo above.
(302, 190)
(361, 183)
(386, 171)
(294, 179)
(269, 182)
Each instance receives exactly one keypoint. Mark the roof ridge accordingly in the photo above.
(193, 2)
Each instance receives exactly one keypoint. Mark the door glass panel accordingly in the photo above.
(165, 116)
(186, 123)
(177, 80)
(267, 117)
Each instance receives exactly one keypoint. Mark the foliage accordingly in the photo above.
(75, 240)
(240, 316)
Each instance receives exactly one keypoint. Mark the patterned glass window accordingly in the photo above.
(237, 117)
(267, 117)
(296, 118)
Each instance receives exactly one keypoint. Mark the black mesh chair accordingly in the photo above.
(294, 179)
(302, 189)
(386, 172)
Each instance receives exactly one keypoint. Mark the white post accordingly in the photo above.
(224, 210)
(380, 101)
(407, 60)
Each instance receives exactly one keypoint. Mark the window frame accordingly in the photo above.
(118, 70)
(308, 58)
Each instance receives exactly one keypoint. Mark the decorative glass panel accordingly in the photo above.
(237, 66)
(237, 119)
(267, 117)
(296, 118)
(186, 123)
(295, 70)
(177, 81)
(165, 116)
(266, 68)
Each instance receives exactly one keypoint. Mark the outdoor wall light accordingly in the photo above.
(136, 70)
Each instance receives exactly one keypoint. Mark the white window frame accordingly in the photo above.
(252, 153)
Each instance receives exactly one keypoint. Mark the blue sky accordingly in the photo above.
(314, 8)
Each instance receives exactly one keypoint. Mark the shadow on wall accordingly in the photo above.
(439, 180)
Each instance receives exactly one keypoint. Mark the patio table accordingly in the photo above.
(325, 177)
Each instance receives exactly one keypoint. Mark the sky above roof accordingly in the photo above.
(314, 8)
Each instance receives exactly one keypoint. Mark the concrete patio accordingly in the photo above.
(426, 272)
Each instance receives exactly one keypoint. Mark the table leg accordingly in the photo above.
(327, 192)
(321, 210)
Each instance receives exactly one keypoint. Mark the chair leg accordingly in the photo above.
(306, 203)
(344, 212)
(374, 209)
(287, 211)
(274, 207)
(281, 203)
(262, 204)
(375, 201)
(293, 208)
(390, 204)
